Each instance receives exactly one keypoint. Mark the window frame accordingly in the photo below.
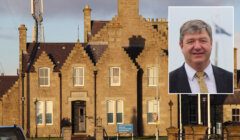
(43, 77)
(41, 112)
(153, 78)
(51, 112)
(157, 110)
(113, 111)
(236, 115)
(122, 111)
(75, 84)
(112, 76)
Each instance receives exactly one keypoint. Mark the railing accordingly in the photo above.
(105, 135)
(183, 136)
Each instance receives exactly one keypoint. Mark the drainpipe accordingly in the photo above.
(60, 78)
(95, 96)
(22, 99)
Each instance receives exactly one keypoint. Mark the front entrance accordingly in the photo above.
(79, 116)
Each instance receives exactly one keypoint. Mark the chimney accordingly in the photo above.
(22, 43)
(128, 8)
(87, 22)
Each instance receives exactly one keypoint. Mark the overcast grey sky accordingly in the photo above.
(62, 17)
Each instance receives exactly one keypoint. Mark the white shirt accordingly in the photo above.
(209, 79)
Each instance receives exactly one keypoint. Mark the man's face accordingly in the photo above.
(197, 48)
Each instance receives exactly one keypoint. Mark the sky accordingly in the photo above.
(61, 19)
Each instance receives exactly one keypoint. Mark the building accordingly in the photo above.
(118, 75)
(112, 77)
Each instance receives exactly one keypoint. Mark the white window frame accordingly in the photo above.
(51, 111)
(236, 115)
(112, 76)
(122, 111)
(40, 111)
(156, 104)
(75, 83)
(43, 77)
(113, 112)
(152, 74)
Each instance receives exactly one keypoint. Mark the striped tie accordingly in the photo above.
(201, 82)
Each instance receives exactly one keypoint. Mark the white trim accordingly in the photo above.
(41, 108)
(75, 84)
(157, 112)
(50, 111)
(121, 101)
(153, 77)
(48, 78)
(112, 77)
(113, 111)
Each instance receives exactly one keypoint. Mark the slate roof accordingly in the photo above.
(95, 51)
(58, 53)
(6, 82)
(97, 25)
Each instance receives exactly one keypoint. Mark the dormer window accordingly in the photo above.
(44, 77)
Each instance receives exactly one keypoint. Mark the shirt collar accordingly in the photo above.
(191, 72)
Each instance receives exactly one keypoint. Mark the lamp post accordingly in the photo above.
(170, 103)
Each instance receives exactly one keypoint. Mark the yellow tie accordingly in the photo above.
(201, 82)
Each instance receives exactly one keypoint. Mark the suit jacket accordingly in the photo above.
(178, 81)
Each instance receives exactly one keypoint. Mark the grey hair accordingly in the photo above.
(194, 26)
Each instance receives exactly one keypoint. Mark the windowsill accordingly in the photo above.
(110, 123)
(152, 85)
(78, 86)
(42, 86)
(152, 123)
(49, 124)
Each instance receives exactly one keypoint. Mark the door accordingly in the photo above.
(79, 116)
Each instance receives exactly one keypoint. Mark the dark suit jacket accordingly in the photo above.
(178, 81)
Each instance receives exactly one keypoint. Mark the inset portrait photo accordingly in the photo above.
(201, 49)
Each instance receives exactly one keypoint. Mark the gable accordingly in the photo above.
(57, 52)
(6, 82)
(78, 54)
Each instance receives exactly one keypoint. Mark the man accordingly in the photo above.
(197, 74)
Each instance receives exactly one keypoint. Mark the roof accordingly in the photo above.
(6, 82)
(97, 25)
(57, 52)
(226, 99)
(95, 51)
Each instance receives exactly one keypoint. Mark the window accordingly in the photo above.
(39, 112)
(49, 112)
(78, 76)
(44, 77)
(152, 115)
(119, 111)
(235, 115)
(152, 76)
(193, 114)
(44, 112)
(110, 111)
(115, 76)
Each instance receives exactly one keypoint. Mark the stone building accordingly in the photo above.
(118, 75)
